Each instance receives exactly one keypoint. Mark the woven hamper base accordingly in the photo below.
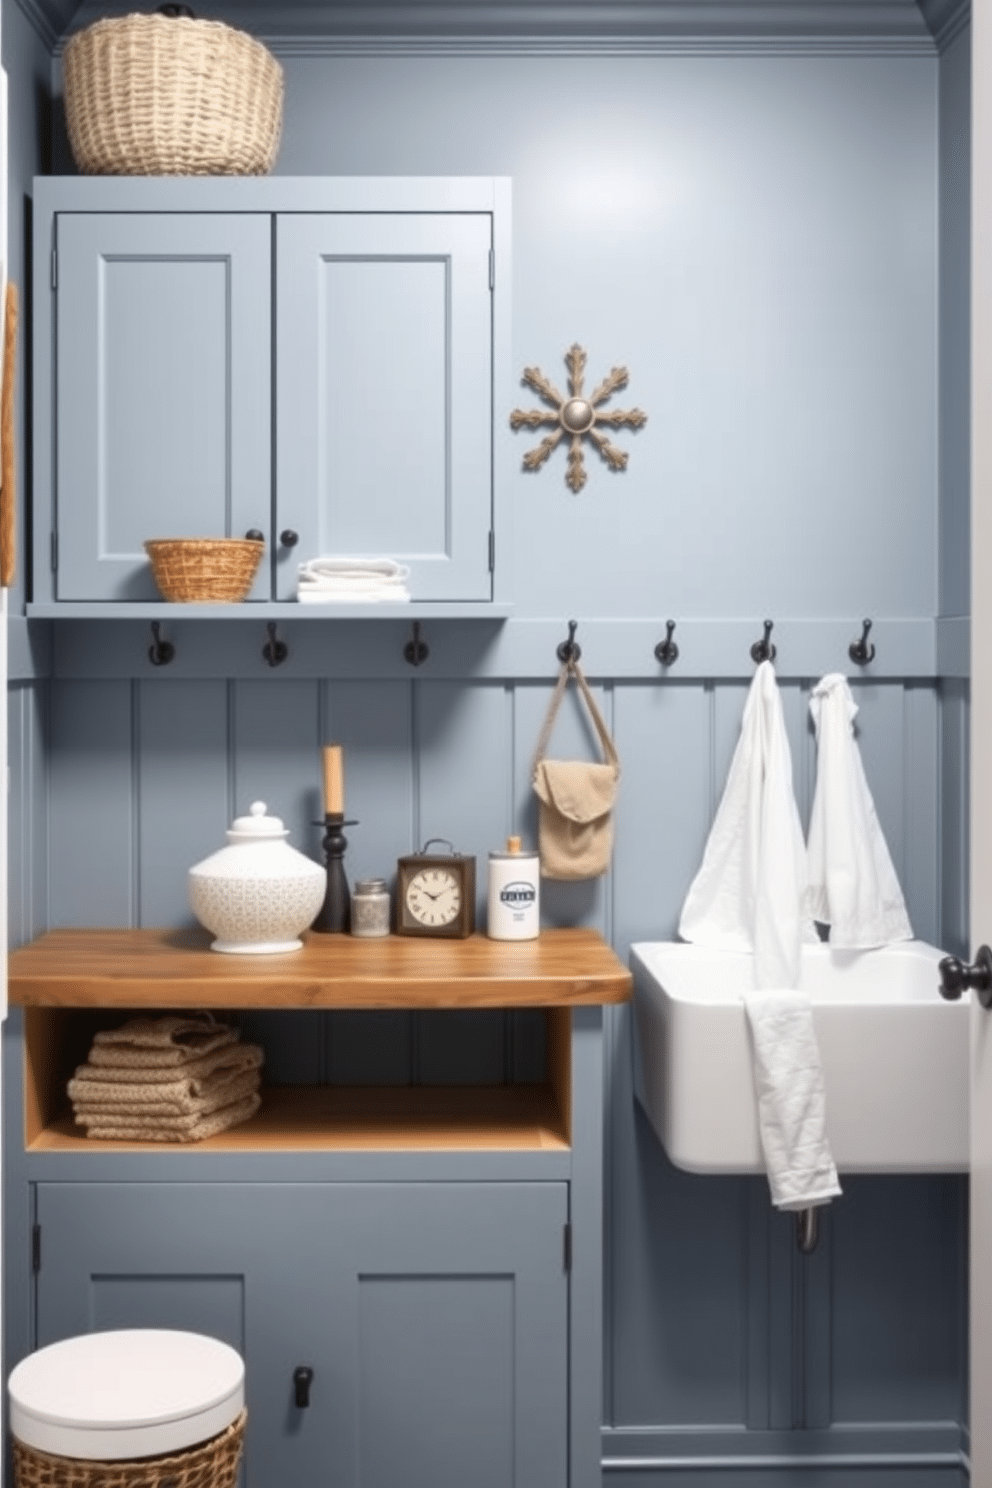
(212, 1465)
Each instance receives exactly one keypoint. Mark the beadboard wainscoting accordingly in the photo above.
(728, 1355)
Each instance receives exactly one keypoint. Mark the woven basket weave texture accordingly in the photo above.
(212, 1465)
(204, 570)
(154, 95)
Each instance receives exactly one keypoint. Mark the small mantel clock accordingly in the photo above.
(435, 893)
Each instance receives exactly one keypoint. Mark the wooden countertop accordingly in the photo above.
(177, 969)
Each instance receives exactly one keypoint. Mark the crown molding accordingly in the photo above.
(568, 27)
(47, 18)
(946, 19)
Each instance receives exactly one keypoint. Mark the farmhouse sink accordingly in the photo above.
(894, 1053)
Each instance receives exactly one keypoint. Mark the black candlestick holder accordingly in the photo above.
(335, 913)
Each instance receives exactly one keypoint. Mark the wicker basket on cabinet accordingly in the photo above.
(204, 570)
(170, 95)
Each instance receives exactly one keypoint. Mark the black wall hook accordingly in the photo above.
(666, 651)
(160, 652)
(415, 651)
(862, 651)
(570, 650)
(274, 650)
(763, 650)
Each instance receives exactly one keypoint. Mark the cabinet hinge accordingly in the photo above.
(55, 268)
(492, 551)
(36, 1247)
(566, 1247)
(492, 268)
(54, 551)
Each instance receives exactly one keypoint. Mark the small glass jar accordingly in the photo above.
(370, 908)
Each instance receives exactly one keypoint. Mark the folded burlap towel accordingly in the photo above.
(170, 1129)
(172, 1099)
(160, 1042)
(231, 1060)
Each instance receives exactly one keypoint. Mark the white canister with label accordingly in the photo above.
(514, 894)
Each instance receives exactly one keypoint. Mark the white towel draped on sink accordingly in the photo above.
(749, 895)
(788, 1083)
(750, 890)
(853, 886)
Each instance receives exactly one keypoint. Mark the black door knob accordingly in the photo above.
(302, 1378)
(289, 538)
(957, 977)
(254, 534)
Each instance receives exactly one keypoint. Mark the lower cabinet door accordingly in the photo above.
(448, 1307)
(229, 1260)
(433, 1316)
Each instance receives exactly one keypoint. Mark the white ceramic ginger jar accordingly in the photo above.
(257, 894)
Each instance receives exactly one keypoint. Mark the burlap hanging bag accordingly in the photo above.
(575, 797)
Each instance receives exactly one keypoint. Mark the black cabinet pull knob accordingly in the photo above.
(255, 534)
(289, 538)
(302, 1378)
(957, 977)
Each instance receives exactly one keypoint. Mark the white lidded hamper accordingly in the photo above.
(131, 1393)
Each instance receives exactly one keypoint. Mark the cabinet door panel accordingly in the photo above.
(449, 1323)
(228, 1260)
(384, 402)
(163, 390)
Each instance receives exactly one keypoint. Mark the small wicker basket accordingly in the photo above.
(212, 1465)
(204, 570)
(169, 95)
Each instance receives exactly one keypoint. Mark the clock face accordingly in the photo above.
(434, 897)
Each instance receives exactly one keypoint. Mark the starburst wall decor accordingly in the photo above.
(576, 416)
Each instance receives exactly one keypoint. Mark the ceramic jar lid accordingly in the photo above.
(256, 825)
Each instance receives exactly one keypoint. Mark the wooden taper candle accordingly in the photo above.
(333, 780)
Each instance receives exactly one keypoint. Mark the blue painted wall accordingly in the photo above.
(772, 244)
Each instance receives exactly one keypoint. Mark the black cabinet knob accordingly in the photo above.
(302, 1378)
(957, 977)
(289, 538)
(254, 534)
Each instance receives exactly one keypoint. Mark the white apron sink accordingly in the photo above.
(895, 1057)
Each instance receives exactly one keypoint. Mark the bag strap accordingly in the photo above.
(572, 669)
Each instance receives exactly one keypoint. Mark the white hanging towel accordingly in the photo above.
(788, 1082)
(749, 893)
(853, 886)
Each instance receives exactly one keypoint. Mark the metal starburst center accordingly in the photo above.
(576, 416)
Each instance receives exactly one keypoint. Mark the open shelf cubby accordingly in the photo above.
(514, 1117)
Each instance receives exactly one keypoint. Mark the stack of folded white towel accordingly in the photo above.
(167, 1079)
(760, 889)
(352, 581)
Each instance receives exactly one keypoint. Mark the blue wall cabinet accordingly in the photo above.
(162, 391)
(433, 1316)
(312, 360)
